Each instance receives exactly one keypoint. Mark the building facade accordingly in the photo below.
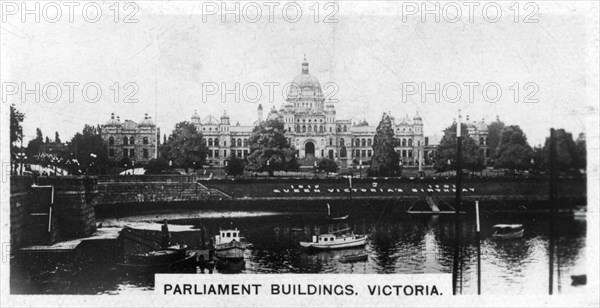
(128, 139)
(312, 128)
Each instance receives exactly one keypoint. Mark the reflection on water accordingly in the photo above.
(397, 243)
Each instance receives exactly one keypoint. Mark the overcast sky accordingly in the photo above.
(369, 53)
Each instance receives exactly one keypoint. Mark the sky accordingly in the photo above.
(369, 58)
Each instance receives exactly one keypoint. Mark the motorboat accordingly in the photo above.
(230, 245)
(507, 231)
(335, 241)
(163, 260)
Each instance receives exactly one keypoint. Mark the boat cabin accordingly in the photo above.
(226, 236)
(328, 238)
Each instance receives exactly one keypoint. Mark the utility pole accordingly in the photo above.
(457, 222)
(552, 195)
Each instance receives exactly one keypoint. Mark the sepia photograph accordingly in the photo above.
(308, 153)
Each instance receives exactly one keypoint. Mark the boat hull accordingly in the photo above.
(134, 268)
(361, 241)
(231, 251)
(354, 258)
(509, 236)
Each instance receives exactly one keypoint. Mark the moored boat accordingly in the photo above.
(355, 257)
(164, 260)
(506, 231)
(335, 241)
(229, 245)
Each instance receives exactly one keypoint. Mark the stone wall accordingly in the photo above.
(20, 201)
(73, 204)
(154, 188)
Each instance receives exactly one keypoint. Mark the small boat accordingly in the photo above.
(355, 257)
(506, 232)
(229, 245)
(334, 241)
(163, 260)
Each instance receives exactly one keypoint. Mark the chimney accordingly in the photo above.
(112, 116)
(118, 119)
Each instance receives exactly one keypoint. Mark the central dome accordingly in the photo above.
(305, 86)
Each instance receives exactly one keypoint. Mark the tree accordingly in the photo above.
(513, 151)
(47, 140)
(269, 149)
(157, 166)
(385, 160)
(472, 156)
(185, 147)
(90, 150)
(56, 138)
(234, 166)
(567, 154)
(494, 132)
(16, 134)
(34, 145)
(327, 165)
(581, 151)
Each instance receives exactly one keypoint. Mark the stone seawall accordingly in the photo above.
(47, 209)
(152, 189)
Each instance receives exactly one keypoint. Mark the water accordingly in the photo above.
(397, 243)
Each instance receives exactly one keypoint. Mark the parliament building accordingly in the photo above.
(312, 128)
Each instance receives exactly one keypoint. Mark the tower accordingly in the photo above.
(260, 113)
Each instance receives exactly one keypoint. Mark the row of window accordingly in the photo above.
(237, 153)
(234, 142)
(129, 153)
(127, 140)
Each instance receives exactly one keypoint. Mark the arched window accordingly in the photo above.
(410, 142)
(363, 142)
(331, 141)
(304, 128)
(321, 128)
(111, 141)
(368, 142)
(315, 128)
(481, 141)
(239, 142)
(357, 142)
(125, 140)
(245, 142)
(145, 140)
(298, 128)
(309, 128)
(232, 142)
(204, 141)
(131, 140)
(342, 142)
(339, 128)
(345, 128)
(210, 142)
(216, 142)
(487, 141)
(403, 142)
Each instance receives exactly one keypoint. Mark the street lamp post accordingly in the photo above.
(360, 169)
(22, 157)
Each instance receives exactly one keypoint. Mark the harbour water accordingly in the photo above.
(397, 243)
